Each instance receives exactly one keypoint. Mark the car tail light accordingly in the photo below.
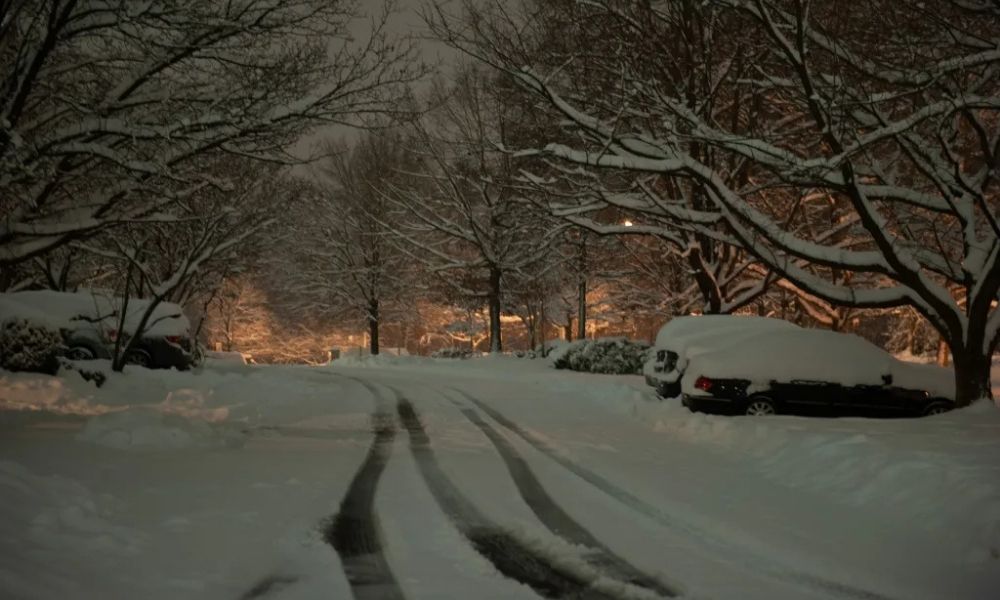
(173, 339)
(113, 335)
(703, 383)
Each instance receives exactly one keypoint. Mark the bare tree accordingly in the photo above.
(187, 253)
(110, 109)
(904, 146)
(341, 262)
(467, 221)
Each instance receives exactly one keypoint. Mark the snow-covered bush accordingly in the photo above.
(546, 350)
(560, 348)
(452, 352)
(616, 356)
(25, 346)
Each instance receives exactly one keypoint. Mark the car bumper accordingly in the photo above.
(165, 355)
(708, 404)
(664, 389)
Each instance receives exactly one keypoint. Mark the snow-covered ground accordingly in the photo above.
(220, 483)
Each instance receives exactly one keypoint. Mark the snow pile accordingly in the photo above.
(384, 360)
(67, 394)
(50, 522)
(236, 358)
(942, 473)
(145, 428)
(72, 310)
(233, 394)
(72, 511)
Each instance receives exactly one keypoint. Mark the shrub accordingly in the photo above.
(25, 346)
(615, 356)
(452, 353)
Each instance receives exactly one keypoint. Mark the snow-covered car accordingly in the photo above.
(813, 372)
(684, 337)
(90, 322)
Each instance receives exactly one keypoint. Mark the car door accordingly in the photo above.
(807, 397)
(884, 400)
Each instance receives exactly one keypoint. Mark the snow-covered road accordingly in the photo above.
(433, 480)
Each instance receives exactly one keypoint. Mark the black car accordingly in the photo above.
(88, 323)
(816, 398)
(161, 352)
(817, 373)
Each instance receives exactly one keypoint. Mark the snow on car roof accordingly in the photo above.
(692, 326)
(796, 354)
(935, 380)
(72, 310)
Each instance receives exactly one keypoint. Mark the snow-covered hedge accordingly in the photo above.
(550, 346)
(452, 353)
(615, 356)
(26, 346)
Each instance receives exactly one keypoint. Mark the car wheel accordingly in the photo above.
(139, 358)
(80, 353)
(760, 406)
(937, 407)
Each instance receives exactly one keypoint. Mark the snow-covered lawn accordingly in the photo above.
(214, 483)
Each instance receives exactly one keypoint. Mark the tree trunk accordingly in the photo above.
(119, 352)
(496, 345)
(581, 309)
(972, 375)
(530, 324)
(373, 322)
(707, 285)
(541, 325)
(568, 329)
(942, 353)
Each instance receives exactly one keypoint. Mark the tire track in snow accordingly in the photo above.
(268, 585)
(557, 520)
(353, 531)
(509, 555)
(633, 502)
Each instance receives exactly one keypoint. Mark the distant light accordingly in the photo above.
(627, 223)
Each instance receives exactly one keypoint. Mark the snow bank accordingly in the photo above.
(233, 394)
(71, 310)
(67, 394)
(151, 429)
(50, 521)
(237, 358)
(941, 474)
(384, 360)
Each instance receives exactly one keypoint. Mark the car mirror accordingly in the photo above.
(887, 379)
